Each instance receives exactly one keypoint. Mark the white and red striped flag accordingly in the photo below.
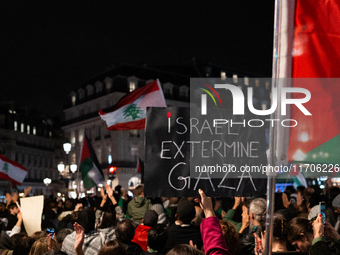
(130, 111)
(12, 171)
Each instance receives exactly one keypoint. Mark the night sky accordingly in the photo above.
(50, 47)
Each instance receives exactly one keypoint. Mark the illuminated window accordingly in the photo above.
(80, 136)
(235, 78)
(15, 126)
(132, 86)
(223, 76)
(109, 159)
(28, 129)
(73, 138)
(246, 81)
(50, 134)
(22, 128)
(34, 130)
(73, 98)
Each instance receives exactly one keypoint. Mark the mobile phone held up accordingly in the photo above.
(323, 211)
(50, 231)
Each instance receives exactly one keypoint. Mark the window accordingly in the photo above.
(34, 130)
(81, 93)
(89, 90)
(257, 83)
(235, 78)
(108, 84)
(183, 91)
(15, 126)
(132, 86)
(99, 87)
(223, 76)
(246, 81)
(109, 159)
(22, 128)
(98, 133)
(73, 99)
(80, 136)
(28, 129)
(50, 134)
(134, 133)
(73, 138)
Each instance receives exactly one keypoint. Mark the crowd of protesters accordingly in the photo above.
(115, 223)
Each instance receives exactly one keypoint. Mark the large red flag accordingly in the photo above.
(316, 54)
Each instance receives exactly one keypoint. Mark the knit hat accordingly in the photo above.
(336, 201)
(185, 210)
(150, 218)
(158, 208)
(314, 212)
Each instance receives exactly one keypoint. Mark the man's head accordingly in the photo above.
(139, 191)
(150, 218)
(257, 211)
(157, 237)
(125, 231)
(13, 209)
(185, 211)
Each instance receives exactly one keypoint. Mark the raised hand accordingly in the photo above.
(27, 191)
(8, 198)
(15, 197)
(78, 243)
(205, 203)
(318, 228)
(285, 201)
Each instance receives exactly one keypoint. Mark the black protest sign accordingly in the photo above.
(219, 153)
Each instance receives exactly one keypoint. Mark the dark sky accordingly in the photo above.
(50, 47)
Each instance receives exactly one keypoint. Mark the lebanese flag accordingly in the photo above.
(309, 48)
(130, 111)
(12, 171)
(90, 169)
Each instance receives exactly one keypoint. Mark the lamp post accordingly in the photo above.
(47, 181)
(65, 170)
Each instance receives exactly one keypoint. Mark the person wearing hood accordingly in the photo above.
(138, 206)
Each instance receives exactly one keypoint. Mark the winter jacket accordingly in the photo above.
(137, 208)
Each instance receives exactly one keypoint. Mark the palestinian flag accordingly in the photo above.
(12, 171)
(90, 169)
(309, 53)
(130, 111)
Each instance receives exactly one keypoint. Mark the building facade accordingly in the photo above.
(31, 140)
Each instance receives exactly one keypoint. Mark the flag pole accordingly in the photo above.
(271, 175)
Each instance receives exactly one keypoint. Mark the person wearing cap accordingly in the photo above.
(182, 231)
(141, 233)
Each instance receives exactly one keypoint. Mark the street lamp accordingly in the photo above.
(47, 181)
(65, 170)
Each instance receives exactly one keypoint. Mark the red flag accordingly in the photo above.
(12, 171)
(130, 111)
(317, 55)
